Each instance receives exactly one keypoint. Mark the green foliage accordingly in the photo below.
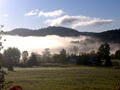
(2, 79)
(56, 58)
(32, 60)
(11, 56)
(83, 59)
(63, 56)
(104, 52)
(3, 84)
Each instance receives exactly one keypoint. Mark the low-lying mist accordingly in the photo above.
(55, 43)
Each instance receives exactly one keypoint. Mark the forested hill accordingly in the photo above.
(60, 31)
(107, 36)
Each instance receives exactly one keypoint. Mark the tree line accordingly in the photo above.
(13, 57)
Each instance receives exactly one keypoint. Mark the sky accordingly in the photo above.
(81, 15)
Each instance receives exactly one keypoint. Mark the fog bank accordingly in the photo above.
(55, 43)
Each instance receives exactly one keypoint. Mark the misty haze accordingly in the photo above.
(59, 44)
(54, 43)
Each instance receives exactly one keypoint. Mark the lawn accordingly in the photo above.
(65, 78)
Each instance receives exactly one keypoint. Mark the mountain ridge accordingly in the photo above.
(60, 31)
(106, 36)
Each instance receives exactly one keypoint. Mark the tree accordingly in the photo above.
(63, 55)
(104, 52)
(46, 55)
(56, 58)
(86, 58)
(1, 60)
(11, 56)
(98, 60)
(117, 54)
(2, 73)
(25, 56)
(32, 60)
(74, 50)
(2, 79)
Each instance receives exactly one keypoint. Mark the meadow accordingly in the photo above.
(65, 78)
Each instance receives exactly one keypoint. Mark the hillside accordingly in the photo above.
(107, 36)
(60, 31)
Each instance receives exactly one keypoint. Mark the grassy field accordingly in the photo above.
(65, 78)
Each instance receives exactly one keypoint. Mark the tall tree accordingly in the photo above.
(25, 56)
(63, 56)
(56, 58)
(46, 55)
(104, 52)
(32, 60)
(2, 73)
(12, 56)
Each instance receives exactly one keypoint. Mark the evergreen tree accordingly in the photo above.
(63, 55)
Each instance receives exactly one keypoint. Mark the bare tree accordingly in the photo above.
(75, 50)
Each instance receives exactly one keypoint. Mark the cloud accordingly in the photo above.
(77, 21)
(66, 19)
(92, 22)
(51, 14)
(31, 13)
(5, 15)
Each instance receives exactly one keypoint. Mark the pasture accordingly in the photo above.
(65, 78)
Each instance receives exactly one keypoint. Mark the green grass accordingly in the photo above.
(65, 78)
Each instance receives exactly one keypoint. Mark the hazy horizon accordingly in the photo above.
(54, 43)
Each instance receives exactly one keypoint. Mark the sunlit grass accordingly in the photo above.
(65, 78)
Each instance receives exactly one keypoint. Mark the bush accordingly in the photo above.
(83, 60)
